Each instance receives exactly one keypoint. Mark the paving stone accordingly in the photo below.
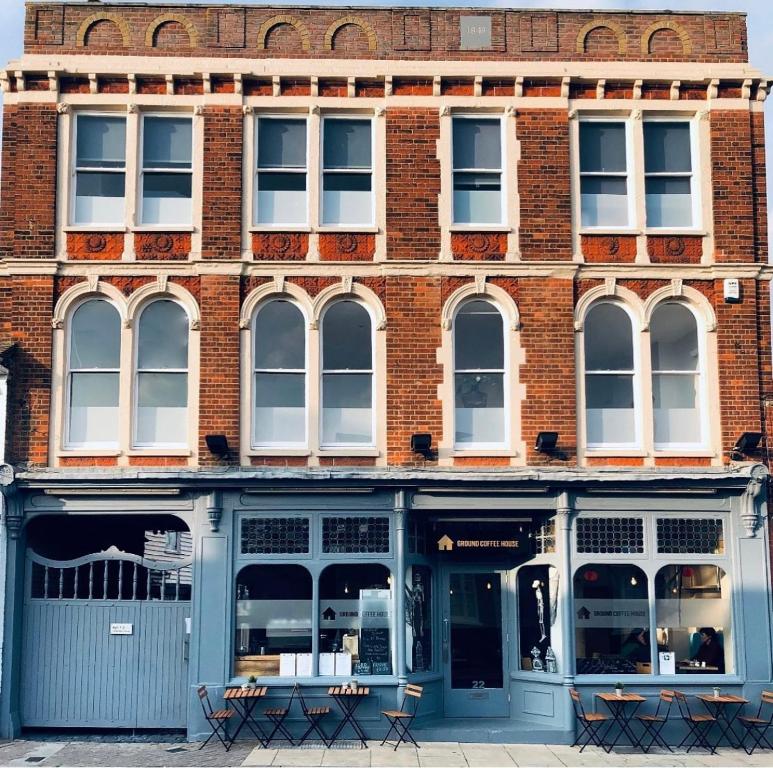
(387, 757)
(302, 757)
(260, 757)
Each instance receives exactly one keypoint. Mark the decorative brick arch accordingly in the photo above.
(276, 21)
(355, 21)
(610, 24)
(150, 33)
(90, 21)
(667, 24)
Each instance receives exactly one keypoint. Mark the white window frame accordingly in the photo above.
(478, 446)
(255, 444)
(323, 446)
(141, 169)
(502, 119)
(347, 227)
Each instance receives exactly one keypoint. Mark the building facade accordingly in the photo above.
(404, 345)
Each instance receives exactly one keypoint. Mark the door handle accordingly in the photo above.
(445, 640)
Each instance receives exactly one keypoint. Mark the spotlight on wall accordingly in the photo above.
(745, 445)
(546, 442)
(421, 443)
(218, 445)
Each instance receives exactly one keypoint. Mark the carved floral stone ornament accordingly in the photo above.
(96, 243)
(752, 499)
(163, 243)
(675, 246)
(280, 243)
(346, 243)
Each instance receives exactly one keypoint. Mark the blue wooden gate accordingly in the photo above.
(105, 642)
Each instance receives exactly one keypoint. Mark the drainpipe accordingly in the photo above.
(400, 512)
(564, 512)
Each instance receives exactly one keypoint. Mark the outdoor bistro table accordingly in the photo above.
(243, 701)
(348, 700)
(617, 705)
(719, 706)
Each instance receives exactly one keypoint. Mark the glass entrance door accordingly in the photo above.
(474, 644)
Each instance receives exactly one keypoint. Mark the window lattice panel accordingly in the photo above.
(698, 536)
(352, 535)
(610, 535)
(545, 537)
(275, 536)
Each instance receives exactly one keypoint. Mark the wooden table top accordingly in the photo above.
(623, 697)
(338, 690)
(723, 698)
(245, 693)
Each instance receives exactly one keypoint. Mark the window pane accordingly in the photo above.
(163, 336)
(355, 620)
(167, 142)
(604, 201)
(280, 336)
(166, 198)
(99, 198)
(480, 411)
(347, 198)
(477, 198)
(478, 337)
(608, 339)
(93, 417)
(609, 409)
(675, 400)
(280, 408)
(347, 144)
(667, 147)
(477, 143)
(692, 609)
(612, 620)
(674, 338)
(602, 147)
(101, 142)
(281, 143)
(669, 203)
(95, 336)
(162, 413)
(347, 415)
(418, 618)
(281, 198)
(346, 337)
(273, 617)
(537, 613)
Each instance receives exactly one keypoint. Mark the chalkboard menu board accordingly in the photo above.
(375, 649)
(362, 668)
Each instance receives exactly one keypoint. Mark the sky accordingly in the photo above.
(759, 23)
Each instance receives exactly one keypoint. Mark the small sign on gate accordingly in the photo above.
(122, 629)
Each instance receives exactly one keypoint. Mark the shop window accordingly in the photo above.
(544, 535)
(537, 612)
(479, 375)
(275, 536)
(603, 174)
(281, 176)
(418, 618)
(167, 170)
(273, 617)
(668, 173)
(477, 171)
(692, 609)
(610, 535)
(612, 620)
(690, 535)
(162, 376)
(279, 375)
(93, 376)
(355, 620)
(353, 535)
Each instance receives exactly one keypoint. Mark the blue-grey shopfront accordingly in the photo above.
(495, 590)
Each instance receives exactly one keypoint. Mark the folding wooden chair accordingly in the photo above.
(400, 720)
(698, 725)
(757, 726)
(654, 724)
(277, 716)
(217, 719)
(591, 722)
(314, 716)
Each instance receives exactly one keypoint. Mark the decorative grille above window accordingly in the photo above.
(545, 537)
(698, 536)
(352, 535)
(275, 536)
(610, 535)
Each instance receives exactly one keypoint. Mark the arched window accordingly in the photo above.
(93, 375)
(676, 371)
(161, 395)
(610, 370)
(347, 375)
(279, 375)
(479, 375)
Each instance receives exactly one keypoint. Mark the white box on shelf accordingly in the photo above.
(303, 665)
(287, 665)
(327, 662)
(343, 664)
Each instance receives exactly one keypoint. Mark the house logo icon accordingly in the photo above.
(445, 544)
(583, 613)
(329, 614)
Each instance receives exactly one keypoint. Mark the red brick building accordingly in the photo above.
(251, 257)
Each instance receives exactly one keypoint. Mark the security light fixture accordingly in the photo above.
(421, 443)
(218, 445)
(546, 442)
(745, 445)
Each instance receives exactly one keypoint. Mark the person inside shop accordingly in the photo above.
(710, 651)
(636, 646)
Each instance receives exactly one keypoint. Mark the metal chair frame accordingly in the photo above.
(698, 725)
(591, 723)
(654, 724)
(217, 719)
(400, 720)
(756, 726)
(276, 716)
(314, 717)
